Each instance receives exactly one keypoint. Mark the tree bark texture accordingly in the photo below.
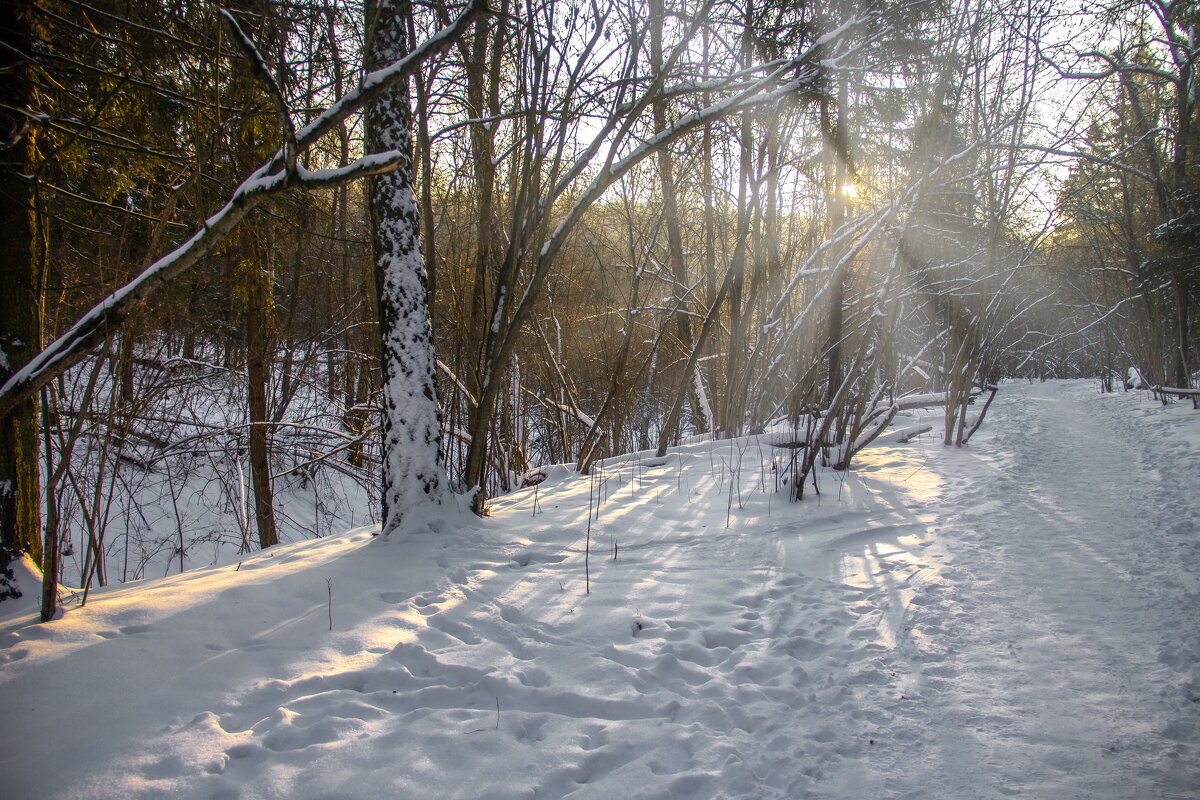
(411, 426)
(19, 292)
(258, 322)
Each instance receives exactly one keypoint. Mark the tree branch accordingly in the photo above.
(270, 179)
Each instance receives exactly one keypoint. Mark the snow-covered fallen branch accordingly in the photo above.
(572, 411)
(877, 420)
(1162, 391)
(904, 435)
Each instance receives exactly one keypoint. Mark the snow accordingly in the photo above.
(1015, 618)
(182, 477)
(27, 578)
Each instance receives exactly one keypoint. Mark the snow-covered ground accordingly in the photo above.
(1020, 618)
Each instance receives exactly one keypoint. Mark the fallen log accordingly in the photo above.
(1161, 392)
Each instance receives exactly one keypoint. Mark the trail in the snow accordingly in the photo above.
(1064, 656)
(698, 665)
(1019, 618)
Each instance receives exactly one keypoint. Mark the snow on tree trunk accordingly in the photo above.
(411, 428)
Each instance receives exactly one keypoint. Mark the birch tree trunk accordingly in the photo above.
(411, 427)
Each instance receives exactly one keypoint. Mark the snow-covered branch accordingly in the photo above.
(270, 179)
(258, 66)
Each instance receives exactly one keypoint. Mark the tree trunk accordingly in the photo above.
(666, 182)
(706, 330)
(840, 151)
(20, 325)
(1182, 329)
(253, 274)
(258, 373)
(411, 474)
(729, 417)
(50, 556)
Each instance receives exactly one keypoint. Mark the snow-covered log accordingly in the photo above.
(904, 435)
(1163, 391)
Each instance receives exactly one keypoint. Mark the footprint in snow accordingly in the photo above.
(533, 677)
(165, 767)
(802, 648)
(633, 656)
(426, 604)
(714, 639)
(522, 560)
(15, 655)
(1182, 731)
(247, 751)
(532, 729)
(695, 654)
(594, 736)
(37, 632)
(462, 633)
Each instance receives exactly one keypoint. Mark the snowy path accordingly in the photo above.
(1063, 658)
(1020, 618)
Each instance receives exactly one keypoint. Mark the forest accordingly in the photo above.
(276, 268)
